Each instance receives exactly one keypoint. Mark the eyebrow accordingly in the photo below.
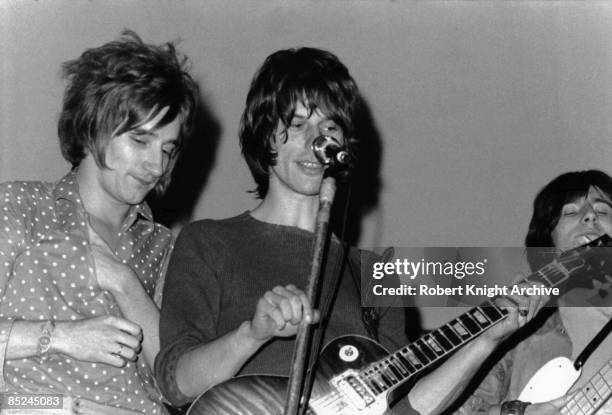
(303, 116)
(603, 200)
(153, 133)
(600, 199)
(142, 131)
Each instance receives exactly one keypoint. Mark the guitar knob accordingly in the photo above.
(348, 353)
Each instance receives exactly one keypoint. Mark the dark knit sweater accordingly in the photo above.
(218, 272)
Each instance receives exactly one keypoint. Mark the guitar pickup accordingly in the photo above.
(354, 389)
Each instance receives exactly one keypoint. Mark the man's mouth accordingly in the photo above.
(312, 165)
(145, 182)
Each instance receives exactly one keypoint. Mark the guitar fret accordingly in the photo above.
(414, 360)
(600, 386)
(469, 324)
(592, 396)
(544, 278)
(607, 374)
(583, 403)
(480, 318)
(389, 375)
(419, 354)
(376, 374)
(441, 340)
(396, 373)
(450, 335)
(431, 356)
(460, 330)
(375, 386)
(559, 277)
(571, 409)
(405, 362)
(404, 372)
(388, 382)
(492, 312)
(433, 345)
(562, 271)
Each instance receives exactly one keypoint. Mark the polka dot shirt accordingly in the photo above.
(47, 272)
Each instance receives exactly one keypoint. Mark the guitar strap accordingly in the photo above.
(593, 344)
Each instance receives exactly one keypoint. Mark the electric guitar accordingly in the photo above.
(356, 375)
(556, 377)
(593, 396)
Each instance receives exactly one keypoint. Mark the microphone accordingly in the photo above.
(329, 152)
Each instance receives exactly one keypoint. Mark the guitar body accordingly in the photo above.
(265, 395)
(551, 381)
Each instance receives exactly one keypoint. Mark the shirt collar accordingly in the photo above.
(67, 190)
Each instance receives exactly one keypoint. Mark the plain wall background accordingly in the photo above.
(477, 104)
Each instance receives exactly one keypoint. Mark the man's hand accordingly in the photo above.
(521, 309)
(279, 313)
(111, 274)
(106, 339)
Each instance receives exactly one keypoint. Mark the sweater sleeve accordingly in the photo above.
(190, 307)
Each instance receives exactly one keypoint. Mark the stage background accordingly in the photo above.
(476, 105)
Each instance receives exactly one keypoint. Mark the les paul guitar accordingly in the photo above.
(356, 375)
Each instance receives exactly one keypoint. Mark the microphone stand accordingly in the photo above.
(304, 334)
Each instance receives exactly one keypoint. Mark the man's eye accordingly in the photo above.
(569, 212)
(136, 139)
(297, 124)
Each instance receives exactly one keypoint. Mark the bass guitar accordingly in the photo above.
(556, 378)
(356, 375)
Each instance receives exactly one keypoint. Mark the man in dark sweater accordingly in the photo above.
(233, 296)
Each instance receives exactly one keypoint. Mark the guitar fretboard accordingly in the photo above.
(428, 349)
(591, 397)
(431, 348)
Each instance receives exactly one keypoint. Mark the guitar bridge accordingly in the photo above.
(354, 389)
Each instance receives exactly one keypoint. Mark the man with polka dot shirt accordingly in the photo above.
(80, 258)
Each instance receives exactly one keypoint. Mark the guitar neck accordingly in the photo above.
(402, 364)
(592, 396)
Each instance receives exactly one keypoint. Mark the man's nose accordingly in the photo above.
(589, 215)
(154, 163)
(312, 132)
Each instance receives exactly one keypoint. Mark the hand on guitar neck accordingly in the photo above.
(521, 309)
(436, 391)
